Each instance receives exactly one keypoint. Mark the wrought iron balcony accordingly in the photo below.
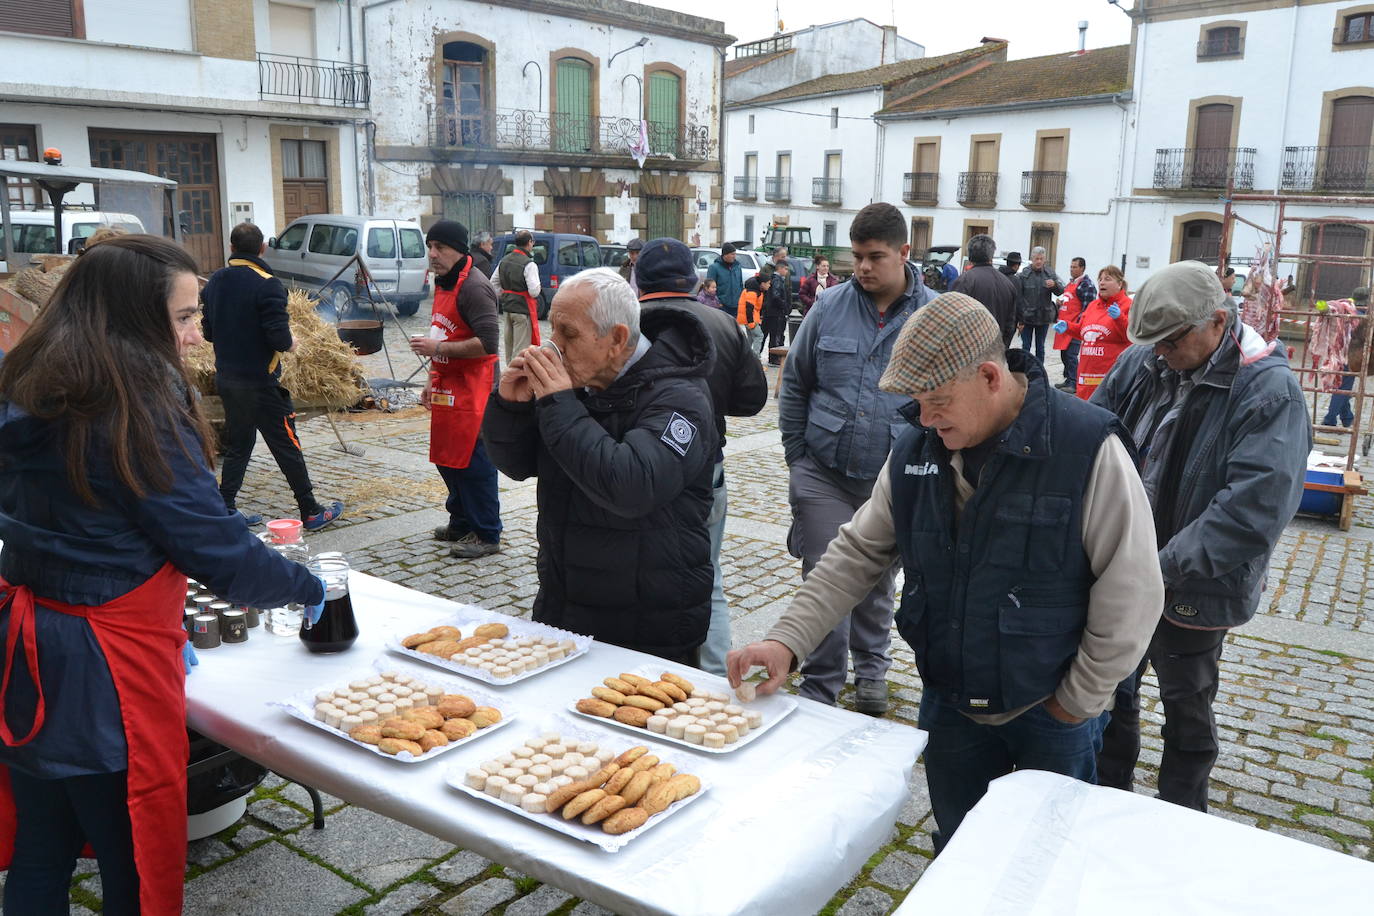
(1224, 46)
(825, 191)
(746, 187)
(921, 188)
(1335, 169)
(313, 82)
(1201, 169)
(1043, 190)
(978, 189)
(777, 188)
(560, 132)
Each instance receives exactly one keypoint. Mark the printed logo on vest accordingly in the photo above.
(920, 470)
(978, 702)
(1185, 610)
(679, 434)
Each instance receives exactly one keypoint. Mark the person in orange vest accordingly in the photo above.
(1102, 329)
(463, 339)
(750, 309)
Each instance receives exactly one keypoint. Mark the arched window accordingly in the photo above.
(571, 124)
(465, 94)
(665, 107)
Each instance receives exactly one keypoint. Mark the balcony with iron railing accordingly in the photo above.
(308, 81)
(777, 188)
(1204, 169)
(1220, 47)
(921, 188)
(825, 191)
(571, 134)
(978, 189)
(1328, 169)
(1043, 190)
(746, 187)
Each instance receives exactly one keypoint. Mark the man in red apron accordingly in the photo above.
(463, 338)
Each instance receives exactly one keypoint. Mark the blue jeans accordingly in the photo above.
(1070, 357)
(963, 756)
(473, 503)
(1038, 331)
(1340, 405)
(718, 636)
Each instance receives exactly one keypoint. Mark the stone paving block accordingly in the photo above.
(1240, 780)
(1316, 839)
(207, 852)
(461, 868)
(269, 881)
(283, 817)
(899, 870)
(542, 902)
(1310, 767)
(402, 900)
(1307, 795)
(374, 849)
(294, 793)
(587, 908)
(1338, 824)
(247, 835)
(867, 901)
(479, 899)
(1260, 805)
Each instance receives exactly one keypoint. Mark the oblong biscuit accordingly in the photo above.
(582, 802)
(648, 703)
(625, 820)
(604, 809)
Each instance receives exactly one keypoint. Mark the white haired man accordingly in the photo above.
(615, 419)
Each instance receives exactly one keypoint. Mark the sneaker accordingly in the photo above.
(870, 696)
(447, 533)
(470, 547)
(323, 516)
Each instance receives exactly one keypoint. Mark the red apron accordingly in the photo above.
(459, 388)
(1071, 308)
(141, 635)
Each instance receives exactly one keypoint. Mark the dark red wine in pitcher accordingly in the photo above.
(336, 629)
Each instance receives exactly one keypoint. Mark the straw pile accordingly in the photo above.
(322, 370)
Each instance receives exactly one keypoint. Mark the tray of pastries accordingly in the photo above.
(686, 707)
(565, 776)
(399, 715)
(498, 652)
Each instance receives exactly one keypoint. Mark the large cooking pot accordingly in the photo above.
(363, 335)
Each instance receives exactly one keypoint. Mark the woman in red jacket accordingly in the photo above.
(1102, 328)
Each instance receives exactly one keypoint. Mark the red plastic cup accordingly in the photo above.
(285, 530)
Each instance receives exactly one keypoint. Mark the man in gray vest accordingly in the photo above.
(518, 280)
(1032, 582)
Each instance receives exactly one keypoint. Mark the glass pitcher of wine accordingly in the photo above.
(337, 628)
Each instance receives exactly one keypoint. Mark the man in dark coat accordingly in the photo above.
(616, 421)
(1039, 287)
(993, 289)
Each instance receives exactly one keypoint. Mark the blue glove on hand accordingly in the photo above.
(188, 656)
(1113, 310)
(1061, 326)
(313, 611)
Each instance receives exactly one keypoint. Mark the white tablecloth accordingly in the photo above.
(1040, 844)
(786, 823)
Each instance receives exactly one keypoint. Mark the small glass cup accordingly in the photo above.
(548, 344)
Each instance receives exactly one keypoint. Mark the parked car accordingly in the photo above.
(613, 255)
(312, 249)
(31, 231)
(571, 254)
(797, 269)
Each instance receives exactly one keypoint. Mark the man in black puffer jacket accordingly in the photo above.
(617, 423)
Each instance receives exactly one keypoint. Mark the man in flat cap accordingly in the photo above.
(1222, 436)
(1026, 538)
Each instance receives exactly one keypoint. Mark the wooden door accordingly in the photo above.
(1347, 163)
(1212, 146)
(985, 156)
(301, 198)
(665, 100)
(920, 238)
(1043, 237)
(1201, 241)
(1335, 281)
(192, 161)
(572, 214)
(927, 158)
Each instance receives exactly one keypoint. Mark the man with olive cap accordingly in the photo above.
(1025, 535)
(1222, 436)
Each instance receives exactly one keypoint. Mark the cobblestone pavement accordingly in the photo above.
(1297, 724)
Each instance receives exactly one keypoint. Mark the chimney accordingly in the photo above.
(889, 53)
(1082, 36)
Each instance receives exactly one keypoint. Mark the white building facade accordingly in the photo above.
(790, 58)
(252, 106)
(525, 116)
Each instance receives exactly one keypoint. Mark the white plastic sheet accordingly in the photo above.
(788, 821)
(1040, 844)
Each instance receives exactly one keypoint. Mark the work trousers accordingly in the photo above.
(516, 332)
(718, 636)
(267, 410)
(775, 326)
(56, 818)
(473, 504)
(1339, 411)
(1188, 666)
(821, 503)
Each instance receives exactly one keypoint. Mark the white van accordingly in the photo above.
(31, 231)
(312, 249)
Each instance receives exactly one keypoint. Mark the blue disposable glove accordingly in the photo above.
(188, 656)
(313, 611)
(1061, 326)
(1114, 311)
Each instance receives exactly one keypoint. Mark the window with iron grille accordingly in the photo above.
(475, 210)
(664, 216)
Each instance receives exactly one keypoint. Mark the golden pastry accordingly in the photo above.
(604, 809)
(484, 716)
(455, 706)
(600, 776)
(582, 802)
(673, 690)
(631, 715)
(632, 755)
(609, 695)
(625, 820)
(470, 643)
(440, 647)
(367, 734)
(619, 780)
(648, 703)
(561, 796)
(593, 706)
(416, 640)
(649, 690)
(426, 716)
(634, 790)
(624, 687)
(458, 729)
(447, 632)
(683, 684)
(647, 762)
(659, 797)
(396, 745)
(408, 729)
(635, 679)
(432, 739)
(662, 772)
(492, 631)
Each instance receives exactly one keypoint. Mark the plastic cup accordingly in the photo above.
(285, 530)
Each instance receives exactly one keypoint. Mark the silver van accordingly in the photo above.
(312, 249)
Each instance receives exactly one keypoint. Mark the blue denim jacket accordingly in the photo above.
(830, 407)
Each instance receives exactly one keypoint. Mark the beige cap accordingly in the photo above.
(946, 336)
(1181, 294)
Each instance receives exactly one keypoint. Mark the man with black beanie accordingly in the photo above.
(462, 343)
(738, 388)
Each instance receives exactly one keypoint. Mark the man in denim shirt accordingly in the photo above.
(837, 428)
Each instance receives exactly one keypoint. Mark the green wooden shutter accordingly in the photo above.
(664, 98)
(572, 119)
